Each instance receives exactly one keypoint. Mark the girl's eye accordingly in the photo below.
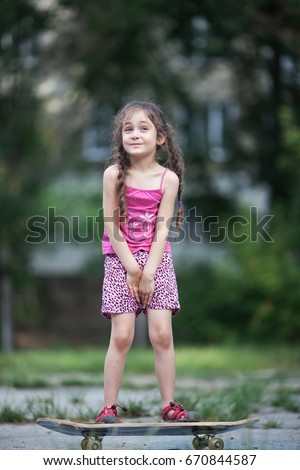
(144, 128)
(127, 129)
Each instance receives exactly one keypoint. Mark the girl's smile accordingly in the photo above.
(139, 135)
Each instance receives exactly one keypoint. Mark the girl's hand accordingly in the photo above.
(146, 289)
(133, 279)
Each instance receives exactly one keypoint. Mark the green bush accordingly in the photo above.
(256, 297)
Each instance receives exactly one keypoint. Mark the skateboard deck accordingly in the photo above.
(204, 432)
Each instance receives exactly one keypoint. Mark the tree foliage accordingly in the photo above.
(128, 47)
(23, 155)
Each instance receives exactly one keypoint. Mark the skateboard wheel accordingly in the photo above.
(198, 444)
(93, 444)
(84, 443)
(215, 443)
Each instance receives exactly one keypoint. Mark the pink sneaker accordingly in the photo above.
(178, 413)
(109, 415)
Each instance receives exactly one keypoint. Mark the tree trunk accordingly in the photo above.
(6, 314)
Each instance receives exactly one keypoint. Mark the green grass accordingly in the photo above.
(232, 359)
(34, 367)
(233, 402)
(245, 372)
(44, 406)
(284, 399)
(272, 424)
(9, 414)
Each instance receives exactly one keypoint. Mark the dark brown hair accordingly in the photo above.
(119, 155)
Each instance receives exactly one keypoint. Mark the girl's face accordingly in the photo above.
(139, 135)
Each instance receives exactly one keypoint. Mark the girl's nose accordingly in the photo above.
(135, 133)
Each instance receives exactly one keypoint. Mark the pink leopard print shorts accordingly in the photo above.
(116, 297)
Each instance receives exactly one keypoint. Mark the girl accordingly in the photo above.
(138, 203)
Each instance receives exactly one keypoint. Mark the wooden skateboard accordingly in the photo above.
(205, 433)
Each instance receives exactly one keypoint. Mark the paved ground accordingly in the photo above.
(285, 434)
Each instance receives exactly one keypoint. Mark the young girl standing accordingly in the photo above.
(138, 202)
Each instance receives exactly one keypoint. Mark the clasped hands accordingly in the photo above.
(141, 286)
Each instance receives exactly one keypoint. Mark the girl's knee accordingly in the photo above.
(123, 340)
(161, 338)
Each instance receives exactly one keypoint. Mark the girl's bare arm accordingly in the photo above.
(111, 223)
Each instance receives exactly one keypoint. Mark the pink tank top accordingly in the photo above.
(142, 209)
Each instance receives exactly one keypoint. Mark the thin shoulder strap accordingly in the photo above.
(163, 177)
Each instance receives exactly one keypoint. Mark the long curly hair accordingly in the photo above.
(119, 156)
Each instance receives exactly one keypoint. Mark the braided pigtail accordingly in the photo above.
(123, 165)
(119, 156)
(176, 163)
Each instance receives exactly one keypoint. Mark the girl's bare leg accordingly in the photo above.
(161, 337)
(122, 334)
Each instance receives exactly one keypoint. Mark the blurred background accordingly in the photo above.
(227, 73)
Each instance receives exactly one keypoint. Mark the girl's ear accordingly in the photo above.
(161, 138)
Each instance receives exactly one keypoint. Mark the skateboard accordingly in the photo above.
(204, 432)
